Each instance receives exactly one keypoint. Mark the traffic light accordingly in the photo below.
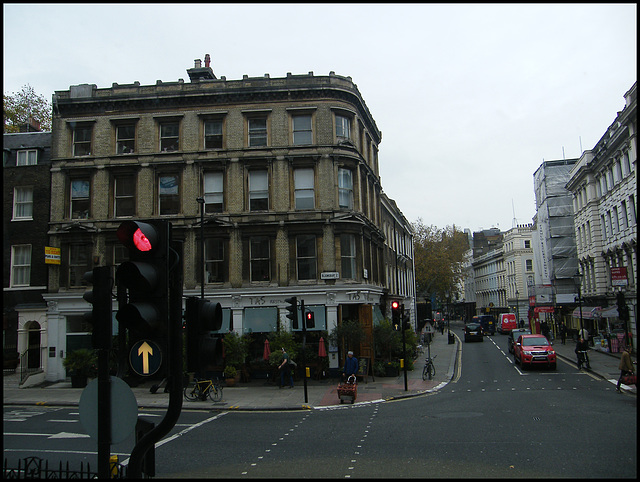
(292, 308)
(310, 320)
(100, 298)
(623, 309)
(145, 277)
(395, 314)
(201, 318)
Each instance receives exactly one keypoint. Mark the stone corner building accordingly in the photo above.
(285, 170)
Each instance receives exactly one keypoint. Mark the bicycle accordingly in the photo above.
(199, 389)
(429, 370)
(583, 359)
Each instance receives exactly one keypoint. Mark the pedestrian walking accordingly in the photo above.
(563, 333)
(626, 365)
(350, 366)
(285, 370)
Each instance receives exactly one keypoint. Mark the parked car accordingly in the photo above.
(530, 350)
(473, 331)
(507, 323)
(487, 322)
(513, 336)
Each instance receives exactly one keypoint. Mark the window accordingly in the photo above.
(527, 244)
(125, 139)
(528, 264)
(626, 167)
(625, 216)
(343, 127)
(258, 191)
(304, 193)
(169, 194)
(616, 224)
(169, 136)
(82, 140)
(302, 133)
(306, 257)
(632, 206)
(603, 227)
(124, 196)
(213, 192)
(213, 134)
(257, 131)
(348, 255)
(259, 258)
(214, 260)
(345, 189)
(21, 265)
(27, 158)
(23, 203)
(80, 202)
(79, 255)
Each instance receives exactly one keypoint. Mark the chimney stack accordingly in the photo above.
(207, 60)
(198, 64)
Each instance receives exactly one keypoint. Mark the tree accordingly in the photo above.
(439, 254)
(19, 106)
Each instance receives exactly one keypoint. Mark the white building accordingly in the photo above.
(604, 185)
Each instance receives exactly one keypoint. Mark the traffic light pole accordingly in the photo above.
(174, 335)
(304, 341)
(403, 346)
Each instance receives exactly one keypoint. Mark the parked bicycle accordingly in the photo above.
(199, 389)
(429, 370)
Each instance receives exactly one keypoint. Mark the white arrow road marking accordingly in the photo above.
(69, 435)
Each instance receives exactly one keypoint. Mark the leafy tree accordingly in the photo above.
(19, 106)
(439, 254)
(348, 334)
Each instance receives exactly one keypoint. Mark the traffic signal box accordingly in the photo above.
(395, 315)
(201, 319)
(623, 309)
(310, 319)
(145, 276)
(292, 308)
(100, 298)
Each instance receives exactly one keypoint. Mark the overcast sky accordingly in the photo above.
(470, 99)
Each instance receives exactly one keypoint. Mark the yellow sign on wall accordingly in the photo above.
(51, 255)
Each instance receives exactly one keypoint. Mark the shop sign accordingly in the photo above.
(51, 255)
(329, 275)
(619, 276)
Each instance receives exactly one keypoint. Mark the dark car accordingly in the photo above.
(488, 323)
(473, 331)
(513, 335)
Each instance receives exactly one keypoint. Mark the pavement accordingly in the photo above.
(320, 394)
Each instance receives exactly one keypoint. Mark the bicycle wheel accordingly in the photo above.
(191, 392)
(432, 371)
(215, 393)
(425, 372)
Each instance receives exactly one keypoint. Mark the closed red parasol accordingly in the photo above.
(267, 350)
(322, 352)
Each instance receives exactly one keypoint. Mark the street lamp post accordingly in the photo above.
(517, 307)
(201, 202)
(578, 280)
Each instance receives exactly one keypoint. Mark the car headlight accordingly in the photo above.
(527, 352)
(551, 352)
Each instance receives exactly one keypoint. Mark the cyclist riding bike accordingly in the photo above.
(581, 352)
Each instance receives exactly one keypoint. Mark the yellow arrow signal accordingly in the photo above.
(146, 351)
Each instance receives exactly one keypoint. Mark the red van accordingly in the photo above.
(507, 322)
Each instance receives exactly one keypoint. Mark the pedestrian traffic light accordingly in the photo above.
(395, 314)
(100, 298)
(145, 277)
(310, 320)
(292, 308)
(201, 318)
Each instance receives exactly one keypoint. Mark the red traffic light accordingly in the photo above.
(395, 305)
(142, 237)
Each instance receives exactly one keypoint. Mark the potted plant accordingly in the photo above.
(230, 375)
(81, 363)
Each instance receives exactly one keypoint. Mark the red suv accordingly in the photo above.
(534, 350)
